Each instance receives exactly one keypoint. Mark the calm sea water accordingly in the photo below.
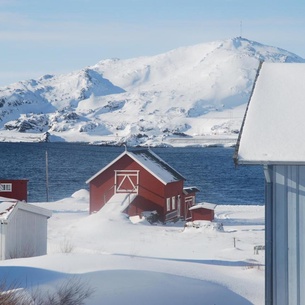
(69, 166)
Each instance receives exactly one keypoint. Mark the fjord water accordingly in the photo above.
(69, 166)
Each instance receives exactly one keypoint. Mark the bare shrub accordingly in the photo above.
(8, 298)
(69, 292)
(10, 294)
(72, 291)
(66, 246)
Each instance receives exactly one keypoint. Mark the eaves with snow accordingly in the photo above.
(273, 130)
(6, 207)
(204, 205)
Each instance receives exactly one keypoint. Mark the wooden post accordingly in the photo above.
(47, 177)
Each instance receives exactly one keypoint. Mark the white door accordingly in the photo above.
(126, 181)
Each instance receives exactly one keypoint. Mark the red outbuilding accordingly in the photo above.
(15, 189)
(203, 211)
(152, 185)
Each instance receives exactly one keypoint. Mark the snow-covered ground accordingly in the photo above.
(133, 262)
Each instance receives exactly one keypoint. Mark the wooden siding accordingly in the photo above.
(141, 204)
(285, 235)
(25, 235)
(202, 214)
(19, 189)
(173, 189)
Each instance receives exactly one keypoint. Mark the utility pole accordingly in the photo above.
(47, 177)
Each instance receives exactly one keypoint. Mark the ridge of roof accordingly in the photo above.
(146, 158)
(236, 151)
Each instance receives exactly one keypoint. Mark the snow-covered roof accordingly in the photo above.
(204, 205)
(151, 162)
(5, 199)
(190, 189)
(7, 209)
(273, 130)
(156, 166)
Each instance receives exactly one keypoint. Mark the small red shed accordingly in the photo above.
(14, 189)
(203, 211)
(152, 184)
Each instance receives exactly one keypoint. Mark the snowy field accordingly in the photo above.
(133, 262)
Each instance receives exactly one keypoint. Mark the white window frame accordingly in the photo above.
(168, 204)
(6, 187)
(173, 203)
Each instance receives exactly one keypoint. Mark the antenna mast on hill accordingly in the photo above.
(241, 28)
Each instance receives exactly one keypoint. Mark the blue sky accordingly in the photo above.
(57, 36)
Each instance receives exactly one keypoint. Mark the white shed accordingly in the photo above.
(273, 135)
(23, 229)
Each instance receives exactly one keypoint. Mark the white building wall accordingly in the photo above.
(26, 235)
(288, 234)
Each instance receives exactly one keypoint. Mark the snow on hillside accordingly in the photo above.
(192, 95)
(133, 262)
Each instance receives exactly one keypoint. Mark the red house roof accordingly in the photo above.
(151, 162)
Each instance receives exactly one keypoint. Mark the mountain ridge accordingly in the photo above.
(189, 92)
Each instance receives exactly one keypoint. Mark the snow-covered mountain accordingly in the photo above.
(188, 96)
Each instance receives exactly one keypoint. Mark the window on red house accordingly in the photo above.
(173, 202)
(168, 204)
(5, 187)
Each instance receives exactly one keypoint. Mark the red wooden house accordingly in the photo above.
(152, 184)
(14, 189)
